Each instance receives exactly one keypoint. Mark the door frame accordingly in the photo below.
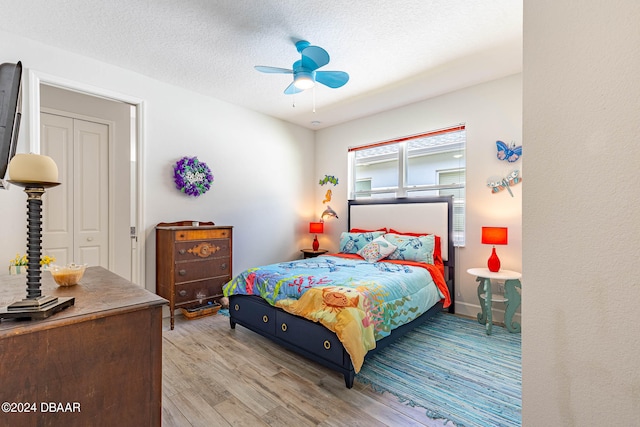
(37, 78)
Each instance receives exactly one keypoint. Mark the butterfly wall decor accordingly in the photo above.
(498, 184)
(509, 153)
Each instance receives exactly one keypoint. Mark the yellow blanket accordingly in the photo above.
(342, 310)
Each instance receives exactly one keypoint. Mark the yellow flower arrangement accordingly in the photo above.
(46, 260)
(23, 260)
(19, 260)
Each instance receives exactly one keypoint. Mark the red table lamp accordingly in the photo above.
(494, 236)
(316, 227)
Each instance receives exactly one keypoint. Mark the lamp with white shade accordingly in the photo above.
(35, 173)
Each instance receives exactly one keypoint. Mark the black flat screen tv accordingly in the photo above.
(10, 114)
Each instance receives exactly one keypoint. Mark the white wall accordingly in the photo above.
(491, 111)
(262, 166)
(581, 222)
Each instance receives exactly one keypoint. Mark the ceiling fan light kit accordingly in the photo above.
(304, 80)
(304, 70)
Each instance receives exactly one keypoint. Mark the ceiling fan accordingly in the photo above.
(304, 70)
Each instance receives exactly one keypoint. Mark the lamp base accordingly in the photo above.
(32, 303)
(36, 308)
(494, 262)
(316, 244)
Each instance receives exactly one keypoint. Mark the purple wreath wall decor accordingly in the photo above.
(192, 176)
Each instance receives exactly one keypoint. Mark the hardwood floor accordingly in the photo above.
(216, 376)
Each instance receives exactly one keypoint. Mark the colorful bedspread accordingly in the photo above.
(361, 302)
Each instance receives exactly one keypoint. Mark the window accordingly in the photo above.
(428, 164)
(363, 186)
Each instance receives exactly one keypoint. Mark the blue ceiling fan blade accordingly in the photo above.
(314, 57)
(333, 79)
(292, 89)
(264, 69)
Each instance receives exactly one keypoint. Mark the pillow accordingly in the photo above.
(351, 243)
(411, 248)
(391, 230)
(437, 249)
(362, 230)
(377, 249)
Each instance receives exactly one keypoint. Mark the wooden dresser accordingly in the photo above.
(96, 363)
(192, 263)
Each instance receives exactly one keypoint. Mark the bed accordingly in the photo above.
(394, 271)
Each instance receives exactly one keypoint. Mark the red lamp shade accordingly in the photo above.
(494, 236)
(316, 227)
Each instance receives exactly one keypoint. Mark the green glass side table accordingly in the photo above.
(511, 296)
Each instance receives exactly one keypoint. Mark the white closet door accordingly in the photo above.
(56, 135)
(91, 192)
(75, 213)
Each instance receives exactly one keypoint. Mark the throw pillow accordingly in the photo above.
(376, 250)
(351, 243)
(411, 248)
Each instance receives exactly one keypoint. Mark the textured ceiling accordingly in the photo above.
(396, 52)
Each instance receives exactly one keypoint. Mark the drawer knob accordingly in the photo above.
(237, 307)
(265, 318)
(182, 251)
(223, 266)
(327, 344)
(284, 327)
(182, 293)
(182, 272)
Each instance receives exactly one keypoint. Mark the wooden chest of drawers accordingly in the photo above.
(192, 263)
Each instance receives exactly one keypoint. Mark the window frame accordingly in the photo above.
(403, 189)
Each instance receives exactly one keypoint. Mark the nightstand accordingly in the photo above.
(310, 253)
(511, 296)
